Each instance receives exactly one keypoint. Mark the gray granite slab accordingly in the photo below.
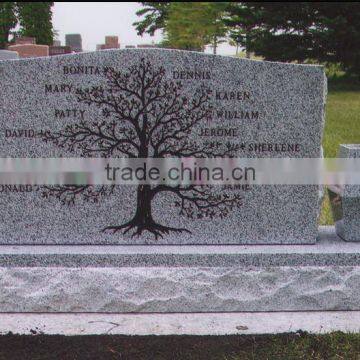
(345, 201)
(8, 55)
(329, 250)
(181, 279)
(275, 108)
(350, 151)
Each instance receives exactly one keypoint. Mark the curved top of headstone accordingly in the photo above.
(8, 55)
(181, 53)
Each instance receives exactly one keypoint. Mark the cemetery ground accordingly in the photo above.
(342, 126)
(283, 346)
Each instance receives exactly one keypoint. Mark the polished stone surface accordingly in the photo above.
(274, 107)
(328, 250)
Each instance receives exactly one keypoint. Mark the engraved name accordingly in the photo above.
(85, 70)
(268, 147)
(232, 95)
(58, 88)
(191, 75)
(69, 113)
(241, 187)
(219, 131)
(234, 114)
(24, 133)
(15, 188)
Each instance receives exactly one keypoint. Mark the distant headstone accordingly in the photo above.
(25, 40)
(146, 46)
(59, 50)
(111, 42)
(345, 201)
(196, 104)
(74, 41)
(30, 50)
(8, 55)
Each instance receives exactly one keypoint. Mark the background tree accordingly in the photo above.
(241, 22)
(277, 32)
(155, 14)
(145, 115)
(35, 20)
(299, 31)
(8, 21)
(217, 30)
(184, 28)
(193, 25)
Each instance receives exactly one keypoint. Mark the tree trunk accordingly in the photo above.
(143, 220)
(143, 216)
(247, 52)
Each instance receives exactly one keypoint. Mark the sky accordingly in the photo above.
(95, 20)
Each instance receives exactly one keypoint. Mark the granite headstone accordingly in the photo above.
(258, 109)
(345, 201)
(74, 41)
(8, 55)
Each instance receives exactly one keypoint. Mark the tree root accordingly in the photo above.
(138, 228)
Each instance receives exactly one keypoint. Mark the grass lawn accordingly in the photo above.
(342, 126)
(293, 346)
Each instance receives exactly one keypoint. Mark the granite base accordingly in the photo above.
(181, 279)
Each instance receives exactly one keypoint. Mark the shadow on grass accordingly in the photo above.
(344, 83)
(300, 345)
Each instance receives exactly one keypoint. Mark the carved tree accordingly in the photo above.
(144, 115)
